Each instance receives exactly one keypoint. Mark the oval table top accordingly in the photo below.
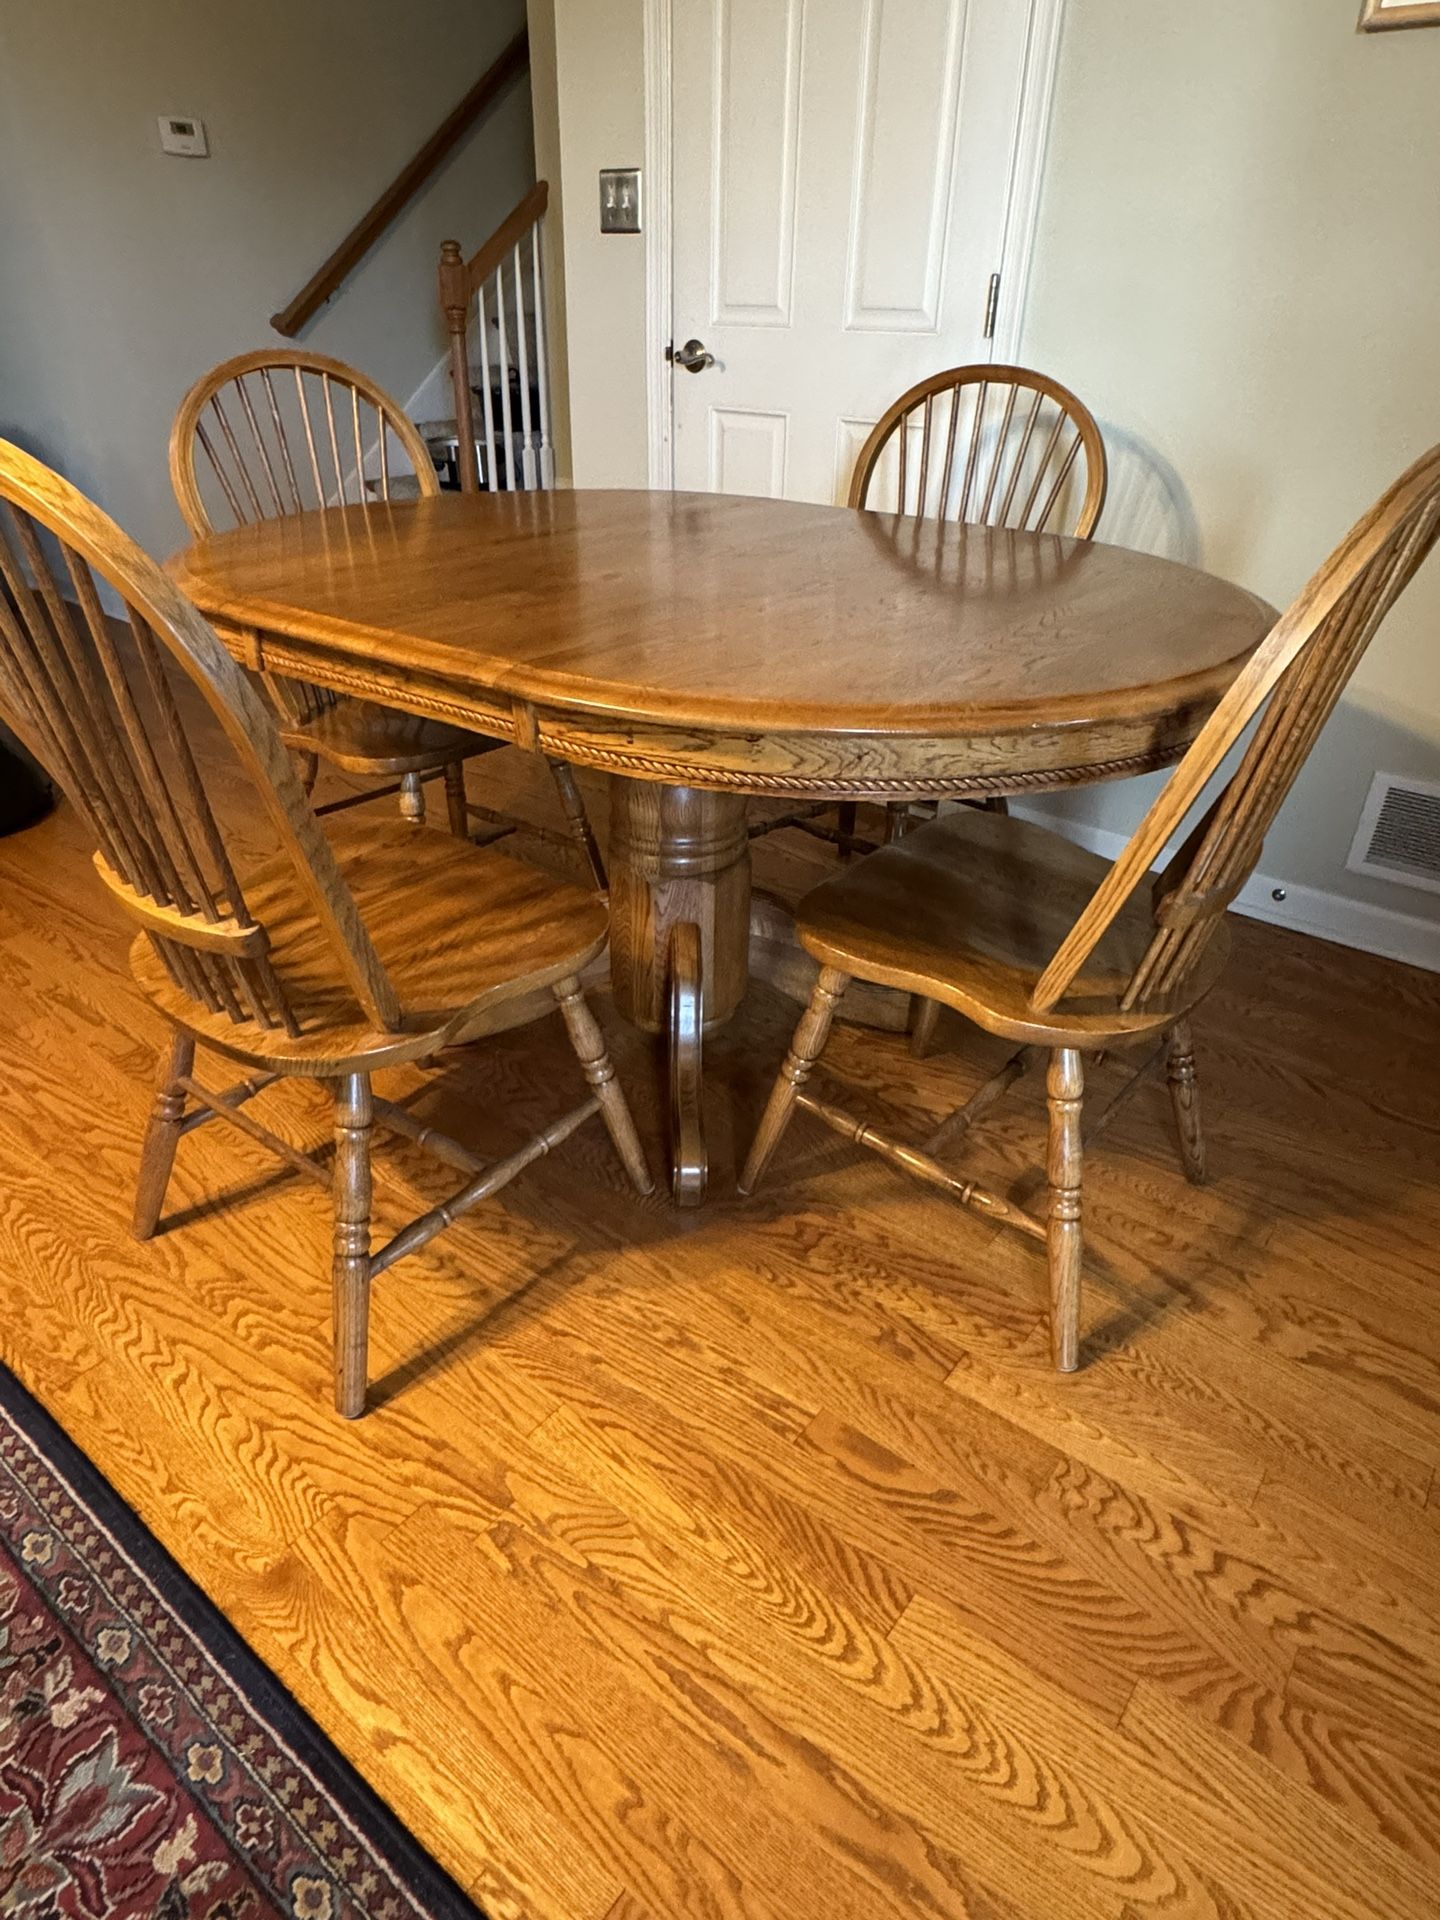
(753, 643)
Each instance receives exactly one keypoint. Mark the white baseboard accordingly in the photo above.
(1329, 916)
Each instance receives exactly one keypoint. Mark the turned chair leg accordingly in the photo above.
(805, 1049)
(922, 1029)
(594, 1057)
(1185, 1100)
(162, 1135)
(354, 1117)
(412, 799)
(456, 804)
(578, 820)
(1065, 1092)
(307, 765)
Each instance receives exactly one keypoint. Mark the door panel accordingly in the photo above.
(747, 452)
(841, 173)
(757, 51)
(905, 144)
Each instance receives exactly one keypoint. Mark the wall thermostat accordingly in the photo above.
(180, 134)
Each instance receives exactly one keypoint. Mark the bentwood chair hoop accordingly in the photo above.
(1010, 465)
(379, 943)
(1039, 942)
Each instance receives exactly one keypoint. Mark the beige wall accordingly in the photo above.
(600, 94)
(124, 273)
(1238, 266)
(545, 111)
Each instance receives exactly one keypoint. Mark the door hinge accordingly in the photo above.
(992, 307)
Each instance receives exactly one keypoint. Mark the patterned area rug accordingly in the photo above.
(150, 1767)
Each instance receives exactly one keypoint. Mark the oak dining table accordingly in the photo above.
(705, 649)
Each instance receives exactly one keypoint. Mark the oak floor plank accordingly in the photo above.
(1159, 1628)
(782, 1796)
(1237, 1430)
(610, 1756)
(878, 1700)
(1148, 1265)
(1118, 1533)
(1324, 1733)
(341, 1621)
(817, 1359)
(1197, 1807)
(912, 1521)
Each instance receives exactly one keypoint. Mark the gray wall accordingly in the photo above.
(124, 273)
(1238, 267)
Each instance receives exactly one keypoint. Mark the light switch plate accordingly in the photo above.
(620, 200)
(181, 133)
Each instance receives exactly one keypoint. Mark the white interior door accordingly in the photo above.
(842, 172)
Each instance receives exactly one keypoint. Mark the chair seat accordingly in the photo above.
(360, 736)
(460, 929)
(970, 910)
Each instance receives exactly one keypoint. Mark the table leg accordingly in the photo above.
(679, 936)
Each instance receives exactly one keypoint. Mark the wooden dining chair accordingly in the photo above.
(375, 944)
(994, 445)
(1036, 941)
(281, 431)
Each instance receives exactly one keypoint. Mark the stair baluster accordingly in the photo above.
(514, 452)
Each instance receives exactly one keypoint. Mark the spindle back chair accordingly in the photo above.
(281, 431)
(972, 910)
(295, 970)
(998, 446)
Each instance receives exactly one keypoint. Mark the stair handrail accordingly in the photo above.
(460, 281)
(402, 189)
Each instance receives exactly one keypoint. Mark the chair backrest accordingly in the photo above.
(280, 431)
(995, 445)
(91, 699)
(1296, 676)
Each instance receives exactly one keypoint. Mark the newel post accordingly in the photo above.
(455, 303)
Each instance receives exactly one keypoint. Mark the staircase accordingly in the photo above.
(494, 305)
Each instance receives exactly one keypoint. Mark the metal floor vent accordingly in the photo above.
(1398, 837)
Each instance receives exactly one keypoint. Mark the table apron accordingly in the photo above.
(781, 764)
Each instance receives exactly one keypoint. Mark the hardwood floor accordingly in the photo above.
(754, 1562)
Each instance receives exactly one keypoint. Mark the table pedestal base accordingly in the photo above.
(685, 935)
(679, 937)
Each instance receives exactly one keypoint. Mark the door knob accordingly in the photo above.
(693, 356)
